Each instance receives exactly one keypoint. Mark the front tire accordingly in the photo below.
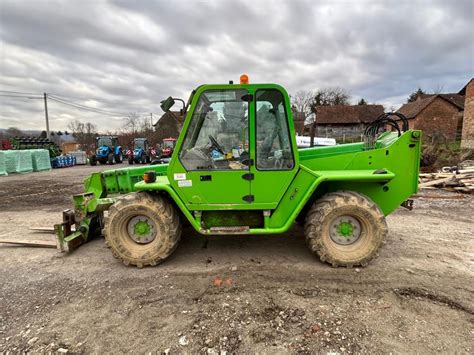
(345, 228)
(142, 229)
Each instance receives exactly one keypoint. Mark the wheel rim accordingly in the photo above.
(141, 229)
(345, 230)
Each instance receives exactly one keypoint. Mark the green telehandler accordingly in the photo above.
(236, 169)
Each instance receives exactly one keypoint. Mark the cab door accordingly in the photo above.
(275, 155)
(212, 166)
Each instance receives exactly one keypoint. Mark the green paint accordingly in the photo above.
(141, 228)
(345, 229)
(281, 193)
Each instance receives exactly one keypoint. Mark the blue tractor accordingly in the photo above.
(108, 151)
(140, 153)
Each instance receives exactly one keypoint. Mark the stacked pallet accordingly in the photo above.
(459, 178)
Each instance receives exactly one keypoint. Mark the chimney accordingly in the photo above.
(467, 140)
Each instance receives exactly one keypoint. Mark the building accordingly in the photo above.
(299, 122)
(446, 116)
(68, 147)
(345, 123)
(437, 115)
(467, 135)
(169, 125)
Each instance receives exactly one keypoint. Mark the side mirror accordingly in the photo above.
(167, 104)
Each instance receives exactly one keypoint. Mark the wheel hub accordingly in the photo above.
(141, 229)
(345, 230)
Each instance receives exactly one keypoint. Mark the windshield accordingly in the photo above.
(168, 144)
(140, 144)
(217, 136)
(107, 141)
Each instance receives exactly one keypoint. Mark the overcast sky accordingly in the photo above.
(125, 55)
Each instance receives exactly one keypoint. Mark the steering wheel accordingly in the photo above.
(216, 145)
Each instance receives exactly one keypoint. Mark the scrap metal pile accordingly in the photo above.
(459, 178)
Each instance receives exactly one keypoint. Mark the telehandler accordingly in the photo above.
(236, 169)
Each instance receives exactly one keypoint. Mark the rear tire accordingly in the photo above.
(118, 159)
(140, 248)
(345, 228)
(111, 159)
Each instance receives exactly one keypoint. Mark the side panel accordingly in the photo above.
(401, 157)
(212, 187)
(297, 194)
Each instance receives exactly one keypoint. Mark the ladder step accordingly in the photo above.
(229, 230)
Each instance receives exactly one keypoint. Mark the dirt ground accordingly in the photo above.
(235, 294)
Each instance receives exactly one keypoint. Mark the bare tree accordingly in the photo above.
(301, 101)
(330, 97)
(438, 89)
(132, 122)
(84, 133)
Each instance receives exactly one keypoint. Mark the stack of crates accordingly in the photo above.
(41, 159)
(80, 155)
(64, 161)
(3, 167)
(18, 161)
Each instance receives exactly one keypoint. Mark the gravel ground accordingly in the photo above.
(235, 294)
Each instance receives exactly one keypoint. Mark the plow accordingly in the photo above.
(236, 169)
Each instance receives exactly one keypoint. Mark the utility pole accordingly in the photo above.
(151, 119)
(46, 115)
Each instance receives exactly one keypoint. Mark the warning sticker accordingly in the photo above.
(185, 183)
(181, 176)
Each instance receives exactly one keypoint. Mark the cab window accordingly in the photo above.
(217, 136)
(272, 132)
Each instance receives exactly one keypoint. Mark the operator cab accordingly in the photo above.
(239, 138)
(218, 135)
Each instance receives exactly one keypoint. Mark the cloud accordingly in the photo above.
(125, 56)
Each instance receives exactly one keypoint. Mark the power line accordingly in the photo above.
(96, 99)
(18, 92)
(59, 99)
(86, 108)
(20, 96)
(61, 96)
(82, 105)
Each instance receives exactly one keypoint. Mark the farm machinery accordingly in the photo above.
(167, 147)
(108, 151)
(237, 169)
(141, 152)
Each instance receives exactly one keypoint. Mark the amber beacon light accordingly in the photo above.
(244, 79)
(149, 177)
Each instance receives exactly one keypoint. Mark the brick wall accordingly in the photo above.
(468, 122)
(438, 118)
